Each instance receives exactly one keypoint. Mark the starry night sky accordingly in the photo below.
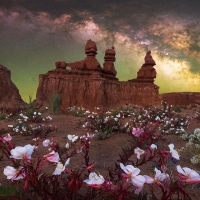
(34, 34)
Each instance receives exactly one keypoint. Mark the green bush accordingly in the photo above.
(31, 104)
(3, 114)
(55, 103)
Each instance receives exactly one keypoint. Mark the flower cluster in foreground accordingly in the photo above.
(193, 145)
(66, 179)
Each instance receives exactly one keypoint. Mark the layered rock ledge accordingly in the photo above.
(91, 90)
(181, 98)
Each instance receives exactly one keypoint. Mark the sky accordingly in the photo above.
(34, 34)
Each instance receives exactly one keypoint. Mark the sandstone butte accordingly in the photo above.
(10, 99)
(86, 84)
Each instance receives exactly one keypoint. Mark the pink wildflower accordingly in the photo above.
(139, 152)
(7, 138)
(60, 167)
(52, 157)
(22, 152)
(189, 175)
(95, 179)
(132, 172)
(13, 174)
(46, 143)
(173, 152)
(137, 131)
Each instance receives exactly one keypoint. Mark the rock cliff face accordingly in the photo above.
(91, 91)
(182, 98)
(10, 99)
(89, 85)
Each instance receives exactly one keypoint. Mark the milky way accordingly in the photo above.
(35, 34)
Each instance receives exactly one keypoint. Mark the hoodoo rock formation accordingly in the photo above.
(10, 99)
(89, 85)
(147, 72)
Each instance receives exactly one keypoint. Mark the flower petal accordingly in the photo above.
(138, 181)
(171, 146)
(149, 180)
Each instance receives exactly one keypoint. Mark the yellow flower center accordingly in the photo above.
(187, 175)
(140, 151)
(130, 174)
(24, 155)
(156, 180)
(94, 176)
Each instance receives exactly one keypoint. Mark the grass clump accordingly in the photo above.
(11, 192)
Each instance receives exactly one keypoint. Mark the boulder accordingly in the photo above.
(10, 99)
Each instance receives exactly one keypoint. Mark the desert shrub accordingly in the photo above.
(76, 111)
(3, 115)
(32, 124)
(36, 130)
(197, 116)
(165, 119)
(193, 145)
(31, 104)
(55, 103)
(102, 124)
(116, 111)
(184, 107)
(31, 116)
(177, 109)
(6, 116)
(193, 106)
(124, 111)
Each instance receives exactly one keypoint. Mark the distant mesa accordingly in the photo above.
(10, 99)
